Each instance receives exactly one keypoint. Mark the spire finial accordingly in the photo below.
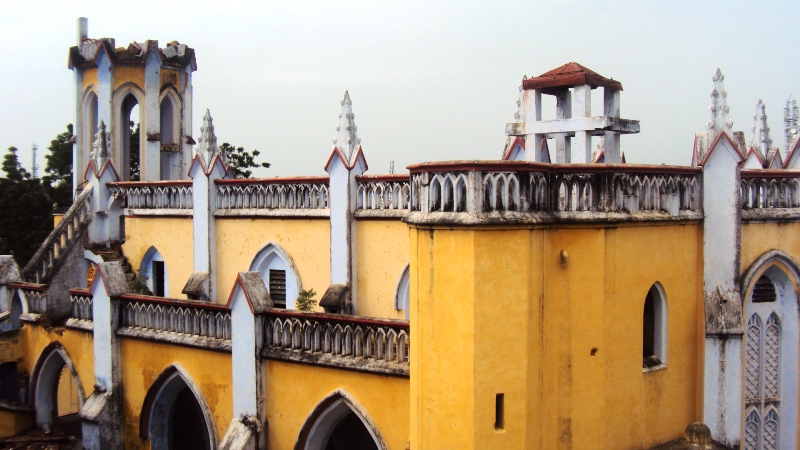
(519, 114)
(790, 122)
(719, 119)
(207, 147)
(760, 139)
(347, 140)
(100, 146)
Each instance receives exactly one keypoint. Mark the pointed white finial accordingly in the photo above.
(519, 115)
(100, 146)
(207, 148)
(346, 139)
(719, 120)
(760, 138)
(790, 122)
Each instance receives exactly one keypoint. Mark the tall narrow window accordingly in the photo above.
(654, 329)
(158, 278)
(167, 120)
(277, 287)
(499, 412)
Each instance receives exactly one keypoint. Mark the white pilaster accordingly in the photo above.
(722, 409)
(151, 160)
(105, 93)
(182, 163)
(533, 112)
(78, 152)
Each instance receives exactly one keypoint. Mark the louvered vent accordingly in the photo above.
(277, 288)
(764, 291)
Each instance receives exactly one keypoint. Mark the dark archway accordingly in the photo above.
(339, 423)
(175, 416)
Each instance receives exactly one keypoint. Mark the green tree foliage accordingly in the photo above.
(26, 205)
(306, 301)
(241, 161)
(59, 168)
(134, 149)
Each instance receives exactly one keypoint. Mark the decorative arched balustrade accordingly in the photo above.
(523, 191)
(370, 345)
(254, 194)
(769, 194)
(154, 195)
(383, 192)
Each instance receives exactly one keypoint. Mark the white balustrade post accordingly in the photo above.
(533, 113)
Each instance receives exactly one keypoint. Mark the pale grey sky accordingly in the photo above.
(430, 80)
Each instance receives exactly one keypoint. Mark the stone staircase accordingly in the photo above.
(114, 253)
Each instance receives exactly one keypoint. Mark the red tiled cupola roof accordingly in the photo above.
(570, 75)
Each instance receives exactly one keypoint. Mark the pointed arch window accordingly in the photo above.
(154, 273)
(280, 275)
(654, 329)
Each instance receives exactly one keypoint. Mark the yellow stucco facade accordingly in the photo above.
(544, 334)
(306, 241)
(382, 255)
(289, 403)
(172, 237)
(146, 360)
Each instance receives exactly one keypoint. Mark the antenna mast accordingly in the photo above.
(34, 167)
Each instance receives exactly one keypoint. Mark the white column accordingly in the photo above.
(610, 138)
(533, 113)
(150, 162)
(79, 156)
(722, 402)
(563, 142)
(582, 107)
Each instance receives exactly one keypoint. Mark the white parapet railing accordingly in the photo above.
(384, 192)
(68, 231)
(199, 324)
(356, 343)
(298, 193)
(155, 195)
(609, 191)
(81, 301)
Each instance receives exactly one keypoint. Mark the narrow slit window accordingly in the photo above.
(277, 288)
(654, 329)
(158, 278)
(499, 412)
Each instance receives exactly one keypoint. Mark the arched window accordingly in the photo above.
(402, 292)
(167, 121)
(280, 275)
(154, 273)
(90, 121)
(654, 329)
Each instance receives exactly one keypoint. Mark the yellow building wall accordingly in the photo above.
(89, 77)
(172, 237)
(142, 363)
(171, 77)
(307, 241)
(293, 391)
(759, 238)
(563, 344)
(381, 257)
(128, 74)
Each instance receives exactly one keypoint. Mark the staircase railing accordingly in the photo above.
(47, 258)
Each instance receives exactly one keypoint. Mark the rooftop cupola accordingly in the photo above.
(574, 126)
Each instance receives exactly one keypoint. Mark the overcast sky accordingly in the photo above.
(429, 80)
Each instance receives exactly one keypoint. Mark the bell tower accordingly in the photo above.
(140, 83)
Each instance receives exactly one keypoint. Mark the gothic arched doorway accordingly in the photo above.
(770, 355)
(57, 391)
(337, 423)
(175, 416)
